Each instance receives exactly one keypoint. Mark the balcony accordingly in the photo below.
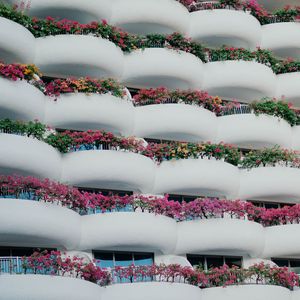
(220, 27)
(151, 291)
(21, 101)
(17, 43)
(129, 230)
(197, 177)
(79, 111)
(248, 292)
(254, 132)
(175, 122)
(154, 67)
(37, 287)
(240, 80)
(109, 170)
(35, 224)
(78, 55)
(288, 87)
(281, 241)
(296, 138)
(149, 16)
(275, 38)
(28, 156)
(72, 10)
(220, 236)
(270, 183)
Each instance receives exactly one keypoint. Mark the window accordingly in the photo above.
(270, 205)
(292, 264)
(106, 192)
(123, 259)
(213, 261)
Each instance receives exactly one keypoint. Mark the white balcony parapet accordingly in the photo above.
(155, 67)
(37, 287)
(17, 43)
(247, 292)
(78, 55)
(129, 230)
(79, 111)
(253, 132)
(270, 183)
(283, 39)
(152, 291)
(175, 122)
(109, 170)
(296, 138)
(220, 236)
(288, 87)
(241, 80)
(150, 16)
(197, 177)
(220, 27)
(83, 12)
(27, 156)
(35, 224)
(281, 241)
(20, 100)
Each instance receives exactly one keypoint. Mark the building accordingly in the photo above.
(173, 232)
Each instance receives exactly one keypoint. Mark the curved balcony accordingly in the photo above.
(35, 224)
(250, 131)
(270, 183)
(219, 236)
(27, 156)
(175, 122)
(296, 138)
(281, 241)
(82, 112)
(275, 38)
(78, 55)
(247, 292)
(197, 177)
(134, 231)
(151, 291)
(241, 80)
(149, 16)
(288, 87)
(155, 67)
(17, 43)
(220, 27)
(14, 94)
(109, 170)
(75, 10)
(37, 287)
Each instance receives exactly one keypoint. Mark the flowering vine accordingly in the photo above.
(54, 263)
(82, 202)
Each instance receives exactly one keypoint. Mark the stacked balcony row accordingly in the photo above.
(26, 223)
(21, 100)
(109, 169)
(213, 27)
(20, 287)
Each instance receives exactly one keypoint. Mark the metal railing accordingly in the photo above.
(237, 110)
(11, 265)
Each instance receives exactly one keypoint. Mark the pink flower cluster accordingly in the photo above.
(85, 202)
(54, 263)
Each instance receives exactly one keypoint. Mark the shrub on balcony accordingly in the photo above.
(280, 109)
(270, 157)
(84, 85)
(44, 190)
(53, 263)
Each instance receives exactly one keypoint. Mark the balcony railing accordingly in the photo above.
(11, 265)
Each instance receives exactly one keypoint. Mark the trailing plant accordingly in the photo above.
(280, 109)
